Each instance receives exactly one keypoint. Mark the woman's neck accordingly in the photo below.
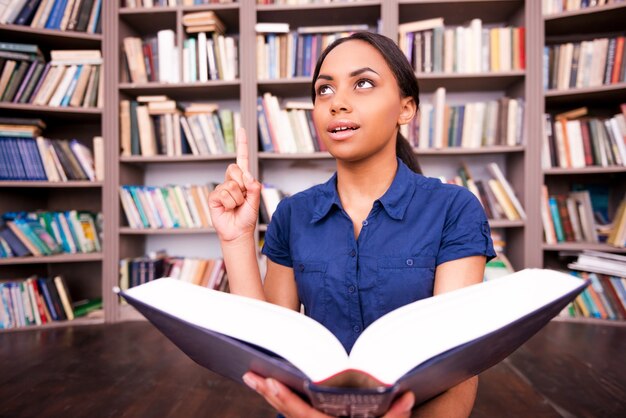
(364, 182)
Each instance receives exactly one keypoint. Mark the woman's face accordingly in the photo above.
(358, 104)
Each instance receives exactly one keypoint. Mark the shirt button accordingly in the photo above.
(352, 253)
(409, 261)
(351, 289)
(357, 328)
(301, 267)
(365, 222)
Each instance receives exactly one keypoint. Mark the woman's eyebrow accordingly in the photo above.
(352, 74)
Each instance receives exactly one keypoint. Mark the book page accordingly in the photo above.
(401, 340)
(304, 342)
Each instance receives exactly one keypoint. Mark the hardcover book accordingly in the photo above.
(427, 346)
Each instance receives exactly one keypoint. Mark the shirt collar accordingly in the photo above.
(395, 200)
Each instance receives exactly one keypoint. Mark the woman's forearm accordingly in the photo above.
(242, 266)
(456, 402)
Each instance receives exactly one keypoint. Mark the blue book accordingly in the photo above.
(47, 297)
(56, 14)
(64, 238)
(33, 152)
(98, 6)
(308, 41)
(264, 131)
(4, 165)
(133, 192)
(23, 155)
(27, 12)
(65, 101)
(556, 218)
(16, 160)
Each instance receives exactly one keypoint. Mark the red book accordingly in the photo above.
(588, 148)
(566, 221)
(619, 57)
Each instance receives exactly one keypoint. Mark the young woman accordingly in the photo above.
(376, 236)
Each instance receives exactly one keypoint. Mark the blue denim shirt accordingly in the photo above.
(347, 283)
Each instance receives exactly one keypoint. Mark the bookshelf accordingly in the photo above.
(602, 100)
(83, 272)
(98, 273)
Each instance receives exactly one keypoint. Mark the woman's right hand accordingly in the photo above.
(234, 204)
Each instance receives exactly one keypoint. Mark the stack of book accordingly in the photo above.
(47, 233)
(166, 207)
(469, 125)
(289, 129)
(433, 48)
(71, 78)
(588, 63)
(75, 15)
(22, 157)
(282, 53)
(606, 297)
(156, 125)
(574, 141)
(199, 271)
(34, 301)
(560, 6)
(495, 193)
(171, 3)
(210, 55)
(152, 59)
(568, 217)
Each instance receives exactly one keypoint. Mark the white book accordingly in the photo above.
(459, 41)
(511, 124)
(12, 11)
(203, 69)
(575, 140)
(231, 58)
(439, 101)
(167, 56)
(98, 157)
(477, 124)
(495, 171)
(475, 50)
(61, 89)
(425, 116)
(263, 27)
(420, 25)
(619, 134)
(448, 50)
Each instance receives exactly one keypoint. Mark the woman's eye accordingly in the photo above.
(324, 90)
(364, 84)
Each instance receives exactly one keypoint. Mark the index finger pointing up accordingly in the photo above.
(242, 150)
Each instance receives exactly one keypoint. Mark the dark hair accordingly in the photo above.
(402, 71)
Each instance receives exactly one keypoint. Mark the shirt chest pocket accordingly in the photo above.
(402, 280)
(312, 287)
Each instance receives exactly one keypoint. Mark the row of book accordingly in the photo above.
(203, 272)
(34, 301)
(574, 141)
(210, 57)
(173, 206)
(568, 217)
(495, 193)
(289, 129)
(469, 125)
(71, 79)
(588, 63)
(172, 3)
(47, 233)
(72, 15)
(559, 6)
(23, 157)
(282, 53)
(432, 47)
(156, 125)
(605, 298)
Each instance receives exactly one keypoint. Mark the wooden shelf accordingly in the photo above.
(210, 90)
(51, 185)
(590, 96)
(606, 18)
(586, 170)
(138, 159)
(594, 321)
(126, 230)
(55, 324)
(504, 223)
(57, 258)
(500, 149)
(80, 113)
(460, 12)
(466, 82)
(49, 38)
(580, 246)
(295, 156)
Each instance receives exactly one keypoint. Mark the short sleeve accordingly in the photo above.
(276, 243)
(466, 230)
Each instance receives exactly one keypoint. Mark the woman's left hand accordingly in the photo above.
(292, 406)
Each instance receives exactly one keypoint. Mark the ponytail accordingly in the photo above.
(404, 151)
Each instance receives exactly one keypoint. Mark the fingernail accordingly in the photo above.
(271, 383)
(408, 404)
(249, 381)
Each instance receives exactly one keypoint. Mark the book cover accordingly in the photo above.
(231, 335)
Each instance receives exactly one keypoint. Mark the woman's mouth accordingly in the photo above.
(342, 129)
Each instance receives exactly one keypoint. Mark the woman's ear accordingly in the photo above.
(408, 110)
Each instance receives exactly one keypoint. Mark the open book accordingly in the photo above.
(427, 346)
